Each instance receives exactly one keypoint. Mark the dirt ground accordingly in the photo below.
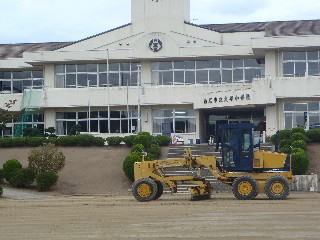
(171, 217)
(93, 170)
(314, 157)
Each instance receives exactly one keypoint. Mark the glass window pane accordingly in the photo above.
(288, 121)
(94, 126)
(71, 80)
(288, 69)
(84, 126)
(289, 107)
(115, 114)
(37, 74)
(104, 126)
(69, 115)
(134, 79)
(114, 67)
(17, 86)
(215, 77)
(179, 65)
(238, 63)
(125, 79)
(124, 126)
(60, 69)
(162, 113)
(165, 65)
(82, 115)
(92, 67)
(92, 80)
(226, 63)
(300, 69)
(103, 79)
(103, 67)
(166, 78)
(214, 63)
(288, 55)
(314, 120)
(250, 74)
(227, 76)
(178, 78)
(94, 114)
(82, 68)
(5, 75)
(203, 64)
(202, 77)
(114, 79)
(82, 80)
(60, 81)
(125, 67)
(71, 68)
(312, 55)
(299, 55)
(190, 77)
(103, 114)
(5, 87)
(252, 63)
(134, 66)
(237, 75)
(301, 106)
(115, 126)
(298, 120)
(313, 106)
(37, 84)
(313, 69)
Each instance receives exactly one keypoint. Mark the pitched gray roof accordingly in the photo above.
(16, 50)
(278, 28)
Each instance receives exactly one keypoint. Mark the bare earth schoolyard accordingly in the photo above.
(172, 217)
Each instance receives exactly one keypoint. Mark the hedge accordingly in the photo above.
(300, 162)
(114, 141)
(162, 140)
(299, 144)
(22, 142)
(298, 136)
(1, 175)
(128, 140)
(80, 140)
(314, 135)
(1, 191)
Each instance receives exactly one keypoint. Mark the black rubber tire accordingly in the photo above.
(160, 190)
(267, 188)
(252, 194)
(151, 183)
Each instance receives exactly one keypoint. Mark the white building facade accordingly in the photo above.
(163, 75)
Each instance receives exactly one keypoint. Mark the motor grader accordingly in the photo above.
(248, 170)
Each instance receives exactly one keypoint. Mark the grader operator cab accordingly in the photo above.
(249, 172)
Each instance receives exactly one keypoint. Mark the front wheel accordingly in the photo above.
(245, 188)
(277, 188)
(144, 189)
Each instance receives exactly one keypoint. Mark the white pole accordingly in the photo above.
(108, 85)
(139, 99)
(89, 108)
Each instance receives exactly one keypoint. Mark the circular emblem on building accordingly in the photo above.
(155, 45)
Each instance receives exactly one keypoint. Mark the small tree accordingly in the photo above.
(7, 116)
(46, 159)
(75, 130)
(50, 132)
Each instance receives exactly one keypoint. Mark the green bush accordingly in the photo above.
(285, 134)
(162, 140)
(22, 177)
(22, 142)
(285, 142)
(285, 149)
(9, 167)
(114, 141)
(128, 164)
(79, 140)
(298, 130)
(298, 136)
(297, 150)
(154, 152)
(300, 162)
(32, 132)
(46, 180)
(46, 159)
(299, 144)
(1, 191)
(314, 135)
(75, 130)
(34, 141)
(143, 138)
(1, 175)
(128, 140)
(139, 148)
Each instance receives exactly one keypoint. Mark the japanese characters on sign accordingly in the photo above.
(227, 99)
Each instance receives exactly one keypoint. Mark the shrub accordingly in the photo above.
(46, 180)
(9, 167)
(34, 141)
(22, 177)
(300, 162)
(128, 164)
(32, 132)
(285, 134)
(285, 142)
(79, 140)
(1, 175)
(46, 159)
(143, 138)
(1, 191)
(114, 141)
(298, 136)
(297, 150)
(299, 144)
(313, 135)
(154, 152)
(298, 130)
(50, 132)
(162, 140)
(285, 149)
(22, 142)
(128, 140)
(139, 148)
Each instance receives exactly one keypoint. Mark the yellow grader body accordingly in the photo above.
(150, 177)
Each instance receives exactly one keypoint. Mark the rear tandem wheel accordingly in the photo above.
(277, 188)
(245, 188)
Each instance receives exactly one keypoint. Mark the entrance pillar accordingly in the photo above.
(271, 119)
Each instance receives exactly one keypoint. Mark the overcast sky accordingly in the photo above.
(69, 20)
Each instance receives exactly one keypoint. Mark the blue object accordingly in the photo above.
(197, 141)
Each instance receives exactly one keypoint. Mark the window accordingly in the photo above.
(31, 121)
(206, 71)
(174, 121)
(16, 82)
(96, 75)
(97, 122)
(300, 64)
(306, 115)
